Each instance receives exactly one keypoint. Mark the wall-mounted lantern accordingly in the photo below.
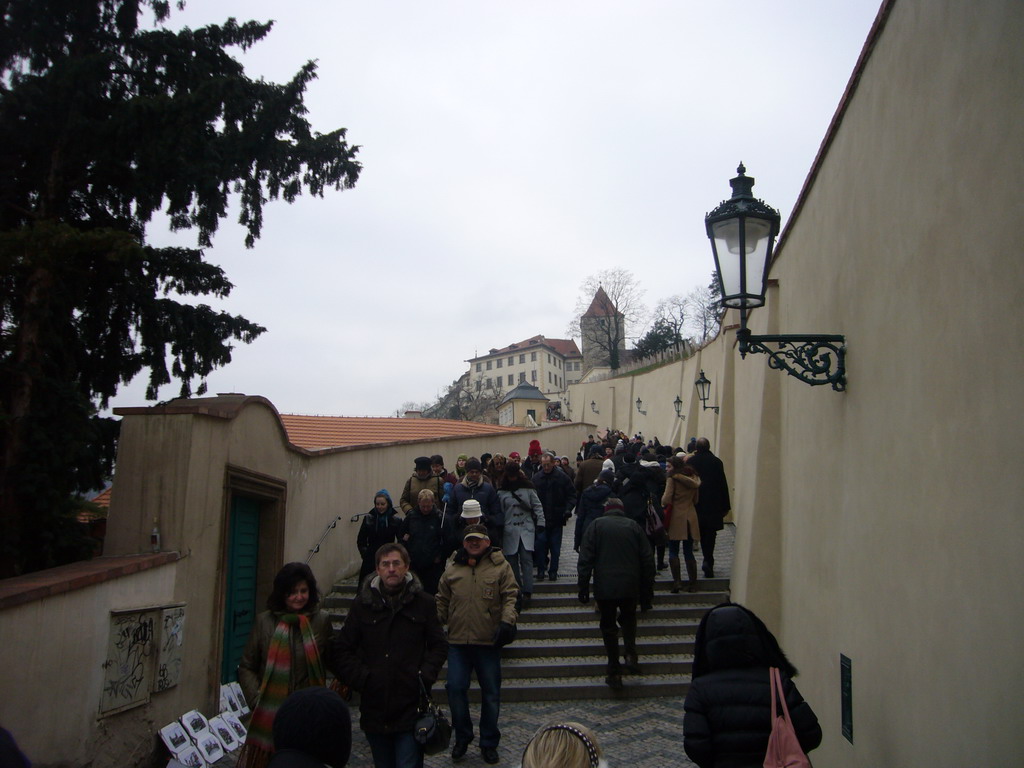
(678, 405)
(703, 385)
(742, 231)
(640, 406)
(593, 407)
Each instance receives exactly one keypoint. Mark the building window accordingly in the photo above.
(533, 357)
(576, 366)
(488, 365)
(479, 385)
(511, 359)
(533, 373)
(490, 382)
(522, 377)
(522, 358)
(549, 377)
(500, 361)
(479, 367)
(510, 379)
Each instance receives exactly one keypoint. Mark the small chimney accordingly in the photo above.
(414, 414)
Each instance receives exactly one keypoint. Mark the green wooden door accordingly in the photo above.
(240, 606)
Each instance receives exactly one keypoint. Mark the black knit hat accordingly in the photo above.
(422, 462)
(315, 721)
(473, 463)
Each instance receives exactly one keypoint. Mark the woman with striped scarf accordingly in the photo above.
(286, 651)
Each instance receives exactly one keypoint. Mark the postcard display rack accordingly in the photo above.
(198, 742)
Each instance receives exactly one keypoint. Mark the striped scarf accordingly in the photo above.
(259, 744)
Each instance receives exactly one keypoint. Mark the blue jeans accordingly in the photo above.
(522, 568)
(547, 548)
(673, 549)
(395, 750)
(486, 661)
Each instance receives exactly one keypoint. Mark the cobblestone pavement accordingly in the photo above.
(643, 733)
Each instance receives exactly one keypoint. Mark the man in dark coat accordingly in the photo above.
(475, 486)
(589, 470)
(557, 497)
(712, 503)
(391, 638)
(615, 549)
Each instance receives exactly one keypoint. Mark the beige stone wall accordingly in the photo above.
(884, 523)
(53, 679)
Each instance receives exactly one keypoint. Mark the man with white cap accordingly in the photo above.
(476, 599)
(455, 525)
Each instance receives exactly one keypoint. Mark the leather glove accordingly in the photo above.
(584, 595)
(504, 634)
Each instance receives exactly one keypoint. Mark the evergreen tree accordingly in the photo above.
(103, 124)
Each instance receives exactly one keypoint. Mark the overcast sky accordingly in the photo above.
(509, 150)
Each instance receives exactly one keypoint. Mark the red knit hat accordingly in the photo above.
(534, 448)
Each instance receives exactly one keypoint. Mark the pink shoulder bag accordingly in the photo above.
(784, 749)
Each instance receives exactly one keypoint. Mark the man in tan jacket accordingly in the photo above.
(476, 599)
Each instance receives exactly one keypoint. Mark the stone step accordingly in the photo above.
(588, 630)
(566, 586)
(547, 668)
(570, 600)
(562, 689)
(654, 645)
(539, 614)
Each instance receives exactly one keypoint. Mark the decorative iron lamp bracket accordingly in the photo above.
(807, 358)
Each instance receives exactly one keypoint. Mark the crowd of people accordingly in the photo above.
(445, 580)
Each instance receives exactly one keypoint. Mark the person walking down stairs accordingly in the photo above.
(616, 551)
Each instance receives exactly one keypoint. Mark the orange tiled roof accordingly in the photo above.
(318, 432)
(564, 347)
(102, 499)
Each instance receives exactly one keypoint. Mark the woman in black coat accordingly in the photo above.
(727, 717)
(380, 526)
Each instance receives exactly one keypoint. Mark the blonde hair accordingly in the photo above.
(563, 745)
(425, 493)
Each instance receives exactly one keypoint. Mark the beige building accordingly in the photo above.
(548, 364)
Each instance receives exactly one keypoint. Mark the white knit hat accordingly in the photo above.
(471, 509)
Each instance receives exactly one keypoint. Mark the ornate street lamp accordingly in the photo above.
(639, 407)
(742, 231)
(678, 405)
(703, 385)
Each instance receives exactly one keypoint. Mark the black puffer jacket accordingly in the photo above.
(727, 717)
(636, 485)
(383, 648)
(591, 507)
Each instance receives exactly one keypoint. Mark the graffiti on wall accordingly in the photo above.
(128, 667)
(144, 654)
(172, 638)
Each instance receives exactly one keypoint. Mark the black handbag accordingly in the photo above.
(433, 732)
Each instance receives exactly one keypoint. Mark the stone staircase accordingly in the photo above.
(558, 654)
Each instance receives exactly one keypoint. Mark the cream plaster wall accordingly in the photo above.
(52, 683)
(884, 523)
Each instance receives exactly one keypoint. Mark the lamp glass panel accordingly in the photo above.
(726, 235)
(759, 235)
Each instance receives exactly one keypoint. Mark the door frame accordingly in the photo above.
(271, 493)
